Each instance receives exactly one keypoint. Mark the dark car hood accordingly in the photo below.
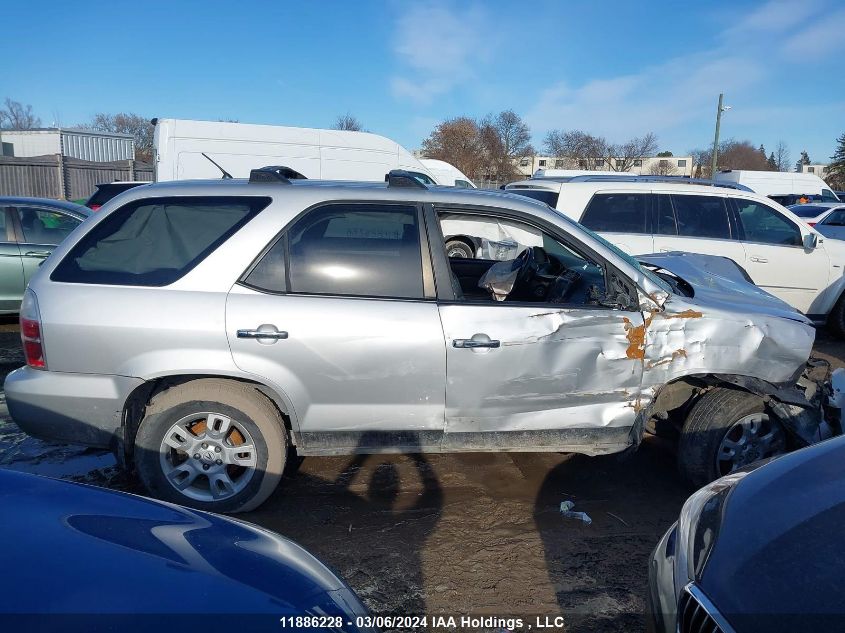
(779, 548)
(69, 548)
(720, 282)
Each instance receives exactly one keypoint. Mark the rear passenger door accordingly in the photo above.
(696, 223)
(622, 219)
(353, 335)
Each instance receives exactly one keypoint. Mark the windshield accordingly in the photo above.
(628, 258)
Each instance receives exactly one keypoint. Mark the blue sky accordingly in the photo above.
(615, 69)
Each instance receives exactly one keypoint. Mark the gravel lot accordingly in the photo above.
(454, 534)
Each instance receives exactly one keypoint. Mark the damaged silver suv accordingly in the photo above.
(207, 330)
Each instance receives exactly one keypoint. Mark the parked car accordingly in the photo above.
(108, 190)
(754, 551)
(201, 328)
(780, 253)
(32, 227)
(812, 213)
(80, 558)
(832, 222)
(780, 186)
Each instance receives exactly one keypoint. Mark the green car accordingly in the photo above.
(31, 229)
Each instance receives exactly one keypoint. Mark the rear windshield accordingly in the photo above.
(807, 210)
(543, 195)
(106, 192)
(156, 241)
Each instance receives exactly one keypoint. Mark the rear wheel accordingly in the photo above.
(726, 430)
(459, 248)
(211, 444)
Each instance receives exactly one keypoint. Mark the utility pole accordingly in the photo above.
(715, 152)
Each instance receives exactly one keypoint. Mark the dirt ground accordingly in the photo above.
(476, 534)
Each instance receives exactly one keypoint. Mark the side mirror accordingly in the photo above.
(810, 241)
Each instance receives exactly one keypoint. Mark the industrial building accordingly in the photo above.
(83, 144)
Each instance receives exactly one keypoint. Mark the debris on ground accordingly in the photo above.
(566, 510)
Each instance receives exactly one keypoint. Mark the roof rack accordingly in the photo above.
(676, 179)
(403, 178)
(275, 173)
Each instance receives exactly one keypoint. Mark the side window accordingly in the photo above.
(616, 213)
(154, 242)
(558, 272)
(829, 196)
(41, 226)
(765, 225)
(666, 224)
(6, 234)
(702, 216)
(351, 249)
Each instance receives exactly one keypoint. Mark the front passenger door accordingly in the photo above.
(12, 284)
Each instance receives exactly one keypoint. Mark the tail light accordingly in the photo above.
(95, 207)
(811, 223)
(33, 344)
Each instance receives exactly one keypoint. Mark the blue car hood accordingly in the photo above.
(69, 548)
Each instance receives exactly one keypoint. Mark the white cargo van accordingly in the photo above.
(447, 174)
(239, 147)
(780, 186)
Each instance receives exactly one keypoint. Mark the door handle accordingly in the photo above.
(468, 343)
(259, 334)
(760, 260)
(44, 254)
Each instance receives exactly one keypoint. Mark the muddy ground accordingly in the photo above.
(454, 534)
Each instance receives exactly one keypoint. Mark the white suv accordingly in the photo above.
(778, 250)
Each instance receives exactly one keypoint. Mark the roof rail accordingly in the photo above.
(275, 173)
(402, 178)
(676, 179)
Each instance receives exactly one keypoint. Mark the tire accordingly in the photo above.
(194, 418)
(459, 248)
(719, 435)
(836, 319)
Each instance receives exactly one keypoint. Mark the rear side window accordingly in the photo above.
(156, 241)
(41, 226)
(368, 250)
(702, 216)
(543, 195)
(616, 213)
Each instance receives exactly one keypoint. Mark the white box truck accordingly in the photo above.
(183, 149)
(785, 187)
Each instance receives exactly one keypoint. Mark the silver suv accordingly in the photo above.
(207, 330)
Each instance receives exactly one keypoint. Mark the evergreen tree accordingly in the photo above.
(804, 160)
(773, 164)
(836, 169)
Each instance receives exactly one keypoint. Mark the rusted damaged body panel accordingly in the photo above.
(584, 378)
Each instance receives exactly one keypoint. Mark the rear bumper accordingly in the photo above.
(74, 408)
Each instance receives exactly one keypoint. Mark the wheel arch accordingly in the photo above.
(137, 401)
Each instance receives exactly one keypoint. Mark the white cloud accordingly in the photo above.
(440, 48)
(820, 38)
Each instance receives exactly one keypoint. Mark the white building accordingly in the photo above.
(90, 145)
(819, 169)
(669, 165)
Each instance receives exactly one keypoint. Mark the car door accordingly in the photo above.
(12, 284)
(775, 255)
(40, 229)
(535, 375)
(340, 315)
(696, 223)
(622, 218)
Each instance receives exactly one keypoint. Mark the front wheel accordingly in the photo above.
(726, 430)
(211, 444)
(836, 318)
(459, 248)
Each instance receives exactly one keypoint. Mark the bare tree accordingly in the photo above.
(128, 123)
(457, 141)
(348, 122)
(782, 159)
(17, 116)
(505, 138)
(663, 167)
(732, 155)
(594, 152)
